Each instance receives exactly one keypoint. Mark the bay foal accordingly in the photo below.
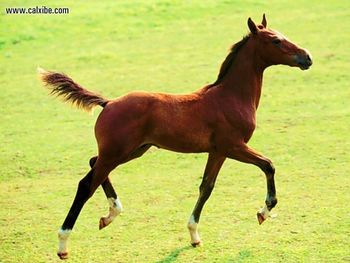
(218, 119)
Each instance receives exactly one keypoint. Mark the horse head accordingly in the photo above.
(273, 48)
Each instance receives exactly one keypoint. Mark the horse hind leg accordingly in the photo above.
(115, 205)
(86, 188)
(81, 197)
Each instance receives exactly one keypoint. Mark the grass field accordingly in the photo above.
(170, 46)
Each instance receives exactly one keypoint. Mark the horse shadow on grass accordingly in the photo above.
(172, 257)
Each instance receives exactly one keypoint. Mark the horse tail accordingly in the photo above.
(63, 86)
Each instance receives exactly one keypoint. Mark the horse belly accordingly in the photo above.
(181, 136)
(188, 144)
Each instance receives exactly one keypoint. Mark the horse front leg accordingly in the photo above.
(245, 154)
(212, 169)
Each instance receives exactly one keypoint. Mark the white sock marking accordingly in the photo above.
(192, 227)
(115, 208)
(62, 240)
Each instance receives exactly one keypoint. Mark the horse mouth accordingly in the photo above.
(304, 66)
(304, 62)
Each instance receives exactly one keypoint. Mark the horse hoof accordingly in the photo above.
(62, 255)
(260, 217)
(102, 223)
(196, 244)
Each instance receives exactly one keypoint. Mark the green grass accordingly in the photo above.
(172, 46)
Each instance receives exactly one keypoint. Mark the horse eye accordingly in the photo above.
(276, 41)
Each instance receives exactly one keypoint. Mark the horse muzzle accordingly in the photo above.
(303, 60)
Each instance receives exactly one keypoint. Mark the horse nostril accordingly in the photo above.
(309, 59)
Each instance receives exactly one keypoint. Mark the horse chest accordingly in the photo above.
(239, 122)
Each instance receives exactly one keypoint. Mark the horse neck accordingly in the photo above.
(244, 79)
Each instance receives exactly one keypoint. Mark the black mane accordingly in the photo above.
(229, 60)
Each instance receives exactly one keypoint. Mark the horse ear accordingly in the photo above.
(252, 26)
(264, 22)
